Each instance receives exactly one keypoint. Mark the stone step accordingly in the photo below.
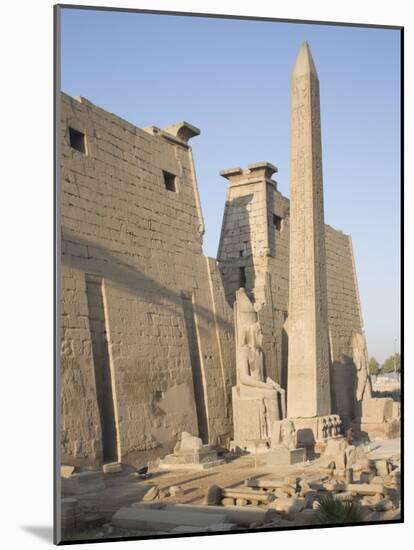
(112, 468)
(241, 515)
(149, 519)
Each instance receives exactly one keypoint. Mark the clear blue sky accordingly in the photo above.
(231, 79)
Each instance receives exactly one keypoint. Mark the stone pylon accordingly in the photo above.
(308, 363)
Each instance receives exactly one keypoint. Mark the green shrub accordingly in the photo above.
(332, 510)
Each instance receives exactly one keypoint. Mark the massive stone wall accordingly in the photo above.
(267, 279)
(344, 312)
(146, 332)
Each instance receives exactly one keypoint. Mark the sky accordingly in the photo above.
(231, 79)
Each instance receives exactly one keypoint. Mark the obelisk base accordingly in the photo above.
(254, 411)
(316, 429)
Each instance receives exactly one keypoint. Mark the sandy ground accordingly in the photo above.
(123, 489)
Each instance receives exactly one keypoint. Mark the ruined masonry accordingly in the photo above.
(147, 323)
(147, 334)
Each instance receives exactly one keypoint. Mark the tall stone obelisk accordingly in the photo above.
(308, 387)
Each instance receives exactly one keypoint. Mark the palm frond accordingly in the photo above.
(332, 510)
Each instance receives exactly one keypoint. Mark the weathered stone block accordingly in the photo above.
(280, 456)
(377, 409)
(112, 468)
(162, 520)
(66, 471)
(335, 452)
(206, 457)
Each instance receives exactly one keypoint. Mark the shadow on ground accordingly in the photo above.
(43, 532)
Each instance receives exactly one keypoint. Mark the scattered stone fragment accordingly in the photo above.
(280, 493)
(242, 515)
(365, 488)
(379, 504)
(251, 495)
(393, 478)
(362, 464)
(350, 455)
(264, 483)
(289, 490)
(176, 490)
(377, 480)
(292, 481)
(334, 486)
(190, 454)
(288, 506)
(335, 452)
(151, 494)
(381, 467)
(163, 520)
(66, 471)
(304, 486)
(112, 468)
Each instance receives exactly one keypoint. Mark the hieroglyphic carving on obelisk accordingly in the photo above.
(308, 363)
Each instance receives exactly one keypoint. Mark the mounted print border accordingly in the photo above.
(198, 392)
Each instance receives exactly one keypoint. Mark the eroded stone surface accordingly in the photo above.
(308, 361)
(257, 399)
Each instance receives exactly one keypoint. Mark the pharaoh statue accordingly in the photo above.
(257, 399)
(363, 388)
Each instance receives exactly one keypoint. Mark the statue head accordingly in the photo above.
(249, 328)
(245, 309)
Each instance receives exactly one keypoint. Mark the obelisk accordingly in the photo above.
(308, 387)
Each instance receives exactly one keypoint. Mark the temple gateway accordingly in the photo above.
(168, 353)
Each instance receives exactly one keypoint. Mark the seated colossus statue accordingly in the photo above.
(257, 399)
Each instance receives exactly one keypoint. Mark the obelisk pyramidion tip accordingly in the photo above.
(304, 62)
